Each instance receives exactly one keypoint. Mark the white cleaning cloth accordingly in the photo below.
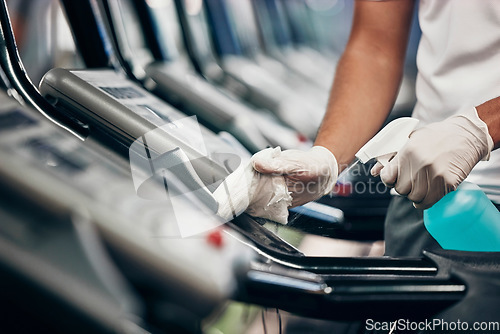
(260, 195)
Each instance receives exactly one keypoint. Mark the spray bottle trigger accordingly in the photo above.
(388, 141)
(384, 159)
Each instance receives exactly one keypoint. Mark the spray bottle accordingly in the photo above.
(464, 219)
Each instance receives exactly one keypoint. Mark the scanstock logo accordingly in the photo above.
(171, 165)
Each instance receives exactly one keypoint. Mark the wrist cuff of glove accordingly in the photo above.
(479, 129)
(333, 171)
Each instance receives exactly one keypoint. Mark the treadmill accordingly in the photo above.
(51, 281)
(277, 42)
(219, 56)
(252, 32)
(171, 75)
(330, 288)
(115, 125)
(60, 197)
(124, 114)
(118, 112)
(303, 35)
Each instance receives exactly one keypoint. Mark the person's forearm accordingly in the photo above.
(489, 112)
(367, 78)
(363, 93)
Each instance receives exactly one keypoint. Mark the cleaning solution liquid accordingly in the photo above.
(465, 220)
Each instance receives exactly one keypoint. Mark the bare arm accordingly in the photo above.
(489, 112)
(367, 78)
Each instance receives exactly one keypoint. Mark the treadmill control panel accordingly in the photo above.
(45, 159)
(121, 110)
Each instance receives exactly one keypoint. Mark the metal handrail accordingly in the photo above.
(14, 70)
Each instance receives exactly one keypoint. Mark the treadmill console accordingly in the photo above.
(57, 171)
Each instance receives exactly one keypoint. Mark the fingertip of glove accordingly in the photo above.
(375, 171)
(384, 173)
(389, 173)
(263, 166)
(263, 161)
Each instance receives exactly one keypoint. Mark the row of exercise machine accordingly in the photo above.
(89, 244)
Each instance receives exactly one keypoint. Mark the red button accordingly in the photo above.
(215, 238)
(341, 189)
(302, 138)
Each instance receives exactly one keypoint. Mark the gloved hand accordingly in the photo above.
(437, 158)
(309, 175)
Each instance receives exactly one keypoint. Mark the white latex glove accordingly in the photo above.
(437, 158)
(260, 195)
(309, 175)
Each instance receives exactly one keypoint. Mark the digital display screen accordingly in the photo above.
(123, 92)
(52, 156)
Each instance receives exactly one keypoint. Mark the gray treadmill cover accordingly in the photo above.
(122, 107)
